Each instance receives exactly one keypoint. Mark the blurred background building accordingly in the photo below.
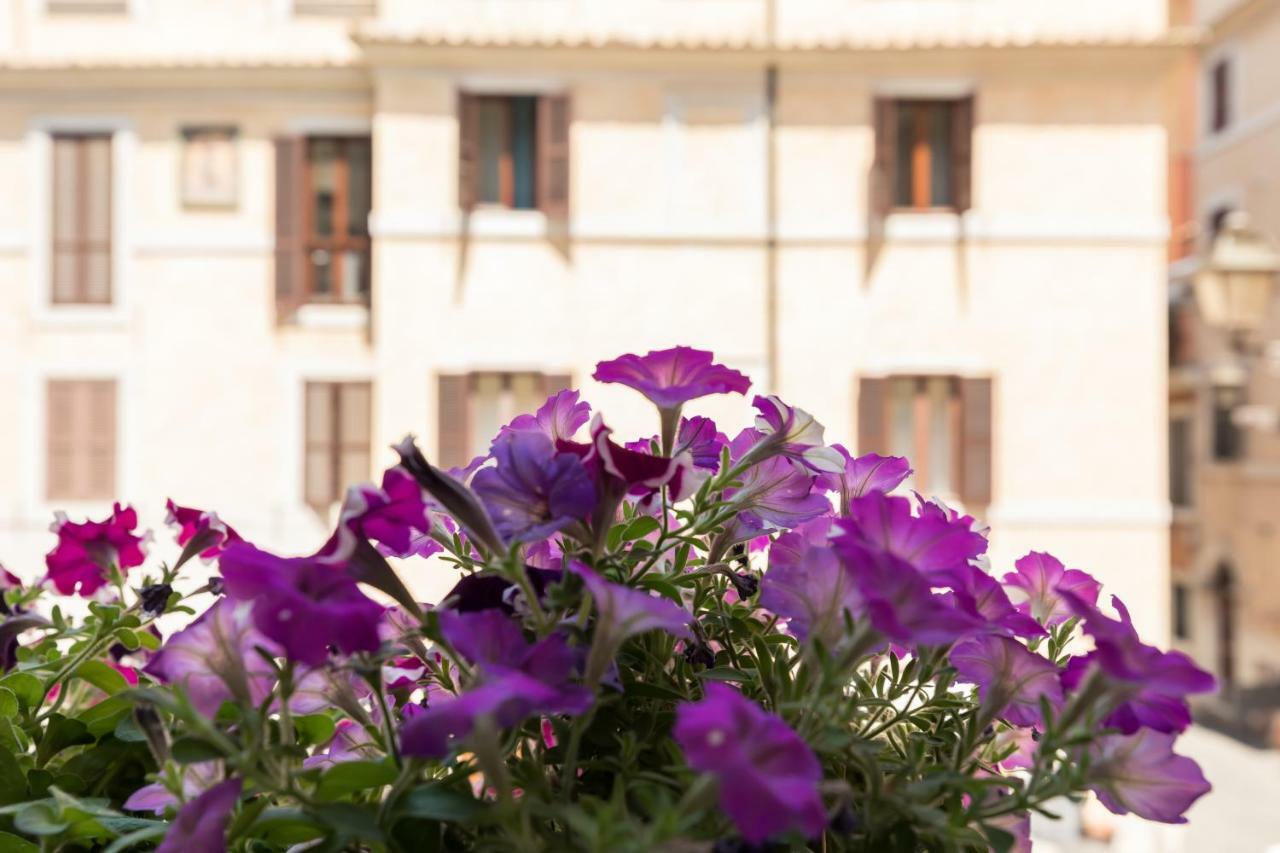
(246, 244)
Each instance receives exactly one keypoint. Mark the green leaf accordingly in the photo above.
(124, 842)
(40, 819)
(127, 730)
(103, 717)
(10, 843)
(128, 638)
(351, 776)
(147, 640)
(1001, 840)
(28, 688)
(350, 820)
(59, 734)
(189, 750)
(640, 527)
(724, 673)
(102, 676)
(13, 784)
(285, 827)
(8, 703)
(437, 803)
(314, 728)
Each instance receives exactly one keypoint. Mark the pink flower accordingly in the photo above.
(1041, 579)
(1141, 773)
(672, 377)
(201, 527)
(87, 551)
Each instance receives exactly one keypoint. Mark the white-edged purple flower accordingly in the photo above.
(395, 515)
(672, 377)
(796, 434)
(1141, 773)
(87, 550)
(1011, 679)
(198, 528)
(862, 474)
(534, 490)
(559, 418)
(776, 492)
(1038, 583)
(768, 776)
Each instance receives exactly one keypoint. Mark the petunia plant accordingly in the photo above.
(680, 641)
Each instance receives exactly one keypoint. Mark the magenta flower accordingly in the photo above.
(776, 492)
(981, 595)
(795, 434)
(301, 603)
(1148, 686)
(768, 776)
(1141, 773)
(672, 377)
(697, 437)
(533, 491)
(1041, 578)
(559, 419)
(808, 585)
(1011, 680)
(87, 551)
(395, 515)
(931, 542)
(203, 528)
(201, 825)
(863, 474)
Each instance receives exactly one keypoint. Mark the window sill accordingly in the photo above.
(317, 315)
(505, 222)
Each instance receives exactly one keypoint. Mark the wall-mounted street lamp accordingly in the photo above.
(1234, 288)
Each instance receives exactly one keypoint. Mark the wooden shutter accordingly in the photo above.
(975, 441)
(552, 175)
(355, 434)
(962, 152)
(82, 221)
(320, 444)
(452, 432)
(81, 435)
(468, 150)
(290, 226)
(557, 382)
(871, 416)
(884, 168)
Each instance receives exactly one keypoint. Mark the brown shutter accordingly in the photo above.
(355, 434)
(61, 480)
(975, 441)
(871, 416)
(318, 480)
(100, 443)
(962, 152)
(884, 169)
(290, 226)
(81, 439)
(468, 149)
(557, 382)
(452, 433)
(553, 156)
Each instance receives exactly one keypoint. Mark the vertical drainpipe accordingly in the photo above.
(771, 201)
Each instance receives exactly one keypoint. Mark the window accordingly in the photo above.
(1220, 83)
(1228, 437)
(513, 152)
(923, 153)
(1181, 611)
(942, 424)
(472, 407)
(82, 221)
(1180, 461)
(338, 437)
(81, 433)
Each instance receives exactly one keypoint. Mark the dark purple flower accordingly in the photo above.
(931, 542)
(487, 591)
(301, 603)
(209, 533)
(796, 434)
(395, 515)
(86, 551)
(485, 637)
(533, 491)
(697, 437)
(981, 595)
(672, 377)
(1039, 580)
(1147, 686)
(558, 419)
(768, 775)
(1141, 773)
(201, 825)
(808, 585)
(863, 474)
(777, 492)
(1011, 679)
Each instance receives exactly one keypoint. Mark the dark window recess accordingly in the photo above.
(513, 152)
(1180, 462)
(82, 220)
(1181, 611)
(923, 151)
(337, 440)
(1220, 83)
(1228, 437)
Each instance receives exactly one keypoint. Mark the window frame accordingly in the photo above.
(337, 444)
(507, 179)
(340, 240)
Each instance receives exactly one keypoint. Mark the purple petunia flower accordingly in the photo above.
(86, 551)
(1149, 686)
(201, 825)
(932, 542)
(533, 491)
(200, 529)
(795, 434)
(981, 595)
(157, 797)
(776, 492)
(1011, 679)
(559, 418)
(1039, 581)
(395, 515)
(863, 474)
(672, 377)
(808, 585)
(768, 775)
(1141, 773)
(623, 612)
(301, 603)
(697, 436)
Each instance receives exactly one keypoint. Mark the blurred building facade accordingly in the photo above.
(1225, 389)
(246, 244)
